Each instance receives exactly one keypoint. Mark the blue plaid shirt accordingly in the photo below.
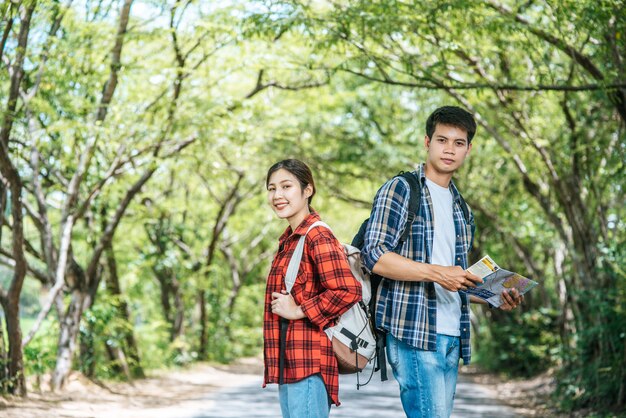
(408, 310)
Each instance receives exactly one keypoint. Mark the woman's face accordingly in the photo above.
(286, 196)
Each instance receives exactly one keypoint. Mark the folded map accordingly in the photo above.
(496, 280)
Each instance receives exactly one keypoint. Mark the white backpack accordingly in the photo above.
(352, 338)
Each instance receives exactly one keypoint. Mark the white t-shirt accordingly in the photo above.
(444, 243)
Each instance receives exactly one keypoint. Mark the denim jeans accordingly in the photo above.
(427, 379)
(306, 398)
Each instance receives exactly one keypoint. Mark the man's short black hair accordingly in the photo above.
(451, 115)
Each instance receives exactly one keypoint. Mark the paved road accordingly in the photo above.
(376, 400)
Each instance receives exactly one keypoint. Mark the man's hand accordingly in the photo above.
(455, 278)
(284, 305)
(511, 299)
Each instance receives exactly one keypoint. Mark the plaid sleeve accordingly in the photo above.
(387, 220)
(341, 289)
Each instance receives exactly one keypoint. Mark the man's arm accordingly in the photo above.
(387, 221)
(396, 267)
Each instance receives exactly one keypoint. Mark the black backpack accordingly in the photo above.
(415, 199)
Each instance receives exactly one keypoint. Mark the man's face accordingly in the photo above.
(448, 148)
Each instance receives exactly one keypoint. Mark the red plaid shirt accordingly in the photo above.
(324, 288)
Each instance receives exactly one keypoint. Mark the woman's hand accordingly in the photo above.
(283, 305)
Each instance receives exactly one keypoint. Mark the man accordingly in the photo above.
(422, 304)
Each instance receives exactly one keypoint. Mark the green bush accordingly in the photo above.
(519, 344)
(595, 370)
(154, 346)
(40, 353)
(102, 327)
(247, 335)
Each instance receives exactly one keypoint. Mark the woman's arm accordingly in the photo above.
(340, 290)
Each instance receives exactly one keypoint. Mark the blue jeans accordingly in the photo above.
(427, 379)
(306, 398)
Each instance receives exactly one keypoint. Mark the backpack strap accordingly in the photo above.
(465, 208)
(415, 199)
(296, 257)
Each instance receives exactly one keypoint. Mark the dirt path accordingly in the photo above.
(164, 394)
(210, 391)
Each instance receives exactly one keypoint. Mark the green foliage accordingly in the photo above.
(103, 328)
(247, 322)
(40, 354)
(521, 345)
(156, 350)
(597, 371)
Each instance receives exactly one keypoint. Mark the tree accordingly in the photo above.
(549, 96)
(11, 178)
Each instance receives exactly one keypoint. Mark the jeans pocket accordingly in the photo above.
(392, 351)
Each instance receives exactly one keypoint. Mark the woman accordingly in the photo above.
(324, 289)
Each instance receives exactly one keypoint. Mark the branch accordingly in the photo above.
(107, 236)
(111, 84)
(532, 187)
(7, 31)
(34, 216)
(108, 90)
(112, 171)
(187, 74)
(576, 55)
(617, 95)
(111, 227)
(490, 86)
(118, 164)
(184, 247)
(339, 193)
(260, 86)
(17, 74)
(7, 259)
(45, 229)
(245, 253)
(56, 24)
(227, 208)
(235, 276)
(522, 250)
(207, 184)
(26, 243)
(177, 148)
(66, 238)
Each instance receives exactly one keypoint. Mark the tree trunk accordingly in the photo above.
(4, 361)
(118, 360)
(179, 306)
(68, 334)
(202, 350)
(17, 383)
(87, 352)
(164, 288)
(113, 286)
(11, 299)
(170, 288)
(3, 203)
(84, 289)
